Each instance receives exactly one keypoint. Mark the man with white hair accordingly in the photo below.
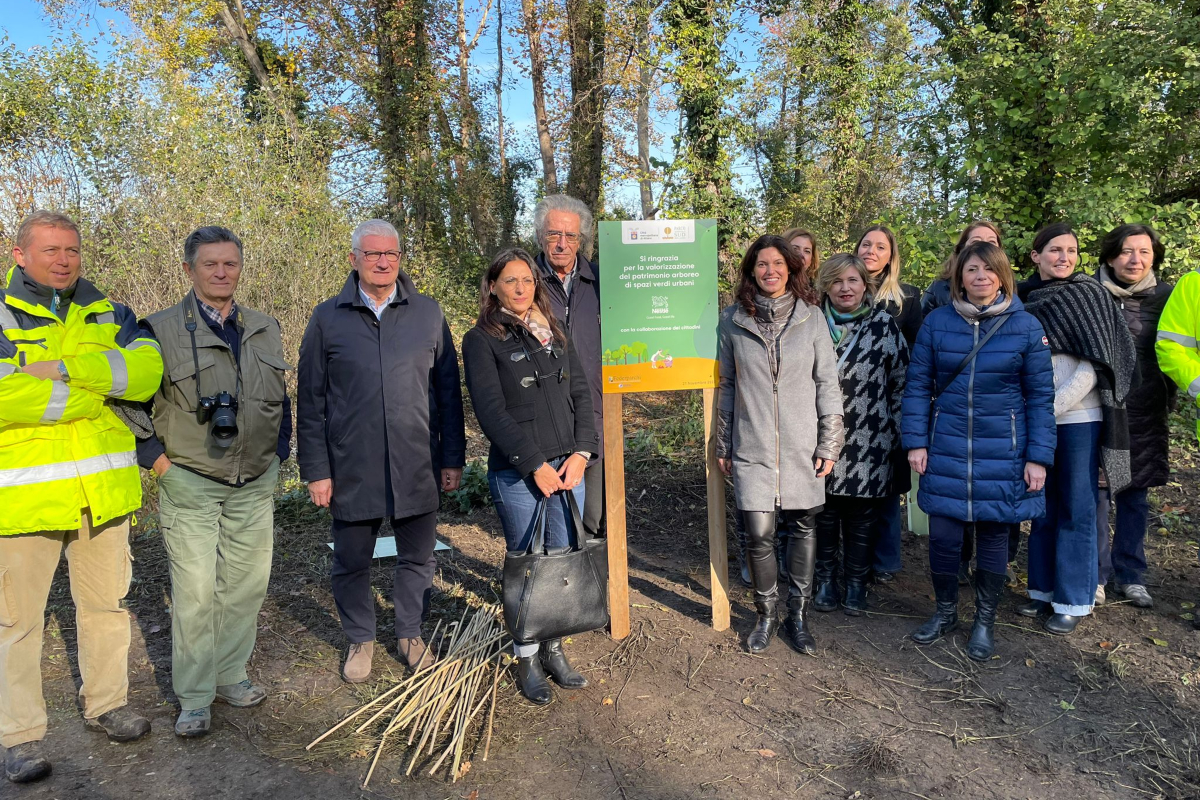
(563, 226)
(379, 431)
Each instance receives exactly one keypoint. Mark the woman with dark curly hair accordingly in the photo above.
(779, 426)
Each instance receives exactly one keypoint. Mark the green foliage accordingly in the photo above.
(473, 492)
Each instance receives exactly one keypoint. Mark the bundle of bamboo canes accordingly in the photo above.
(442, 699)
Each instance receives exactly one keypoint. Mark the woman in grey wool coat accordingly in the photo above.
(779, 427)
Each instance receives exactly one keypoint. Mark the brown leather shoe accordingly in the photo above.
(120, 725)
(358, 662)
(415, 653)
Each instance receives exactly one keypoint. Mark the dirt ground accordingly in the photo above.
(677, 710)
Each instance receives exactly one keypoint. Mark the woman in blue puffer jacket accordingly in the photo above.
(980, 432)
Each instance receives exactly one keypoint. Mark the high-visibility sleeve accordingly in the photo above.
(26, 399)
(1176, 346)
(127, 373)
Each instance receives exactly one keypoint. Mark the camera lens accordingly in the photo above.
(224, 420)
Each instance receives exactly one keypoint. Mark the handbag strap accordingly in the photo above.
(580, 533)
(971, 355)
(537, 542)
(850, 344)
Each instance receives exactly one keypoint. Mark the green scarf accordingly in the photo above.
(840, 324)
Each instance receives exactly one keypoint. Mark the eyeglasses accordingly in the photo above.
(524, 283)
(372, 256)
(572, 238)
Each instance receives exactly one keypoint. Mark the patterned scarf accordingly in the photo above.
(1080, 318)
(841, 323)
(1123, 290)
(536, 322)
(973, 313)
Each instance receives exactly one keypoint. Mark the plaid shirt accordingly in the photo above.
(214, 316)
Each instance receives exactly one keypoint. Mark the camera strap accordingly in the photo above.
(189, 322)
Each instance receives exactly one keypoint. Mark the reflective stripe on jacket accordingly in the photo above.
(61, 448)
(1178, 328)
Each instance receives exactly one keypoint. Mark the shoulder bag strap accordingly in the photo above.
(971, 355)
(853, 341)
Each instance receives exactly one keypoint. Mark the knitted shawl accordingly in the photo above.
(1080, 318)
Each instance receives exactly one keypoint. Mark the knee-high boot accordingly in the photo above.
(988, 587)
(802, 556)
(945, 618)
(764, 572)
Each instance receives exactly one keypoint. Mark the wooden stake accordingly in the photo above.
(718, 555)
(614, 490)
(487, 743)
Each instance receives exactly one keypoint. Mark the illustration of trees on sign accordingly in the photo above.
(623, 352)
(639, 349)
(609, 358)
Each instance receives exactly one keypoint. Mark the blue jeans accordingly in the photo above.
(1126, 556)
(886, 534)
(516, 499)
(1063, 557)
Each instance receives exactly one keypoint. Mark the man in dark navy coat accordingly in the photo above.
(379, 432)
(563, 226)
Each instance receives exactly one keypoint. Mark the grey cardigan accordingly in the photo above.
(773, 428)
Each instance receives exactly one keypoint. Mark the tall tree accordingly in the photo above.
(586, 34)
(537, 76)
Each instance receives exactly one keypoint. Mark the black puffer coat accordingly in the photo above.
(1149, 401)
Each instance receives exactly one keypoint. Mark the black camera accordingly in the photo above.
(221, 411)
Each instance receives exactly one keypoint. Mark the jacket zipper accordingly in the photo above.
(971, 429)
(1013, 418)
(775, 399)
(933, 433)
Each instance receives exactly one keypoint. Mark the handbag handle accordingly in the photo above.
(537, 542)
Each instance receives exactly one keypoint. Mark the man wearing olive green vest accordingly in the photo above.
(222, 423)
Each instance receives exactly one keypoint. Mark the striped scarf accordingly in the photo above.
(1080, 318)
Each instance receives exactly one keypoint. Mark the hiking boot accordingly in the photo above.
(194, 723)
(120, 724)
(945, 617)
(241, 695)
(415, 653)
(554, 661)
(358, 662)
(25, 763)
(1136, 594)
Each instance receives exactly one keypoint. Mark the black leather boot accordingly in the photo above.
(855, 603)
(764, 627)
(1035, 608)
(743, 558)
(1061, 624)
(825, 595)
(796, 628)
(945, 618)
(532, 680)
(825, 588)
(555, 662)
(988, 587)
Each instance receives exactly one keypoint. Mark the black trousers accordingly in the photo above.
(801, 553)
(412, 583)
(968, 546)
(847, 523)
(594, 516)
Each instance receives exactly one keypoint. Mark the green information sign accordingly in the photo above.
(658, 316)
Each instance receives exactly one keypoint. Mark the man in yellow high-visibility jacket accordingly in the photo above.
(1178, 330)
(68, 478)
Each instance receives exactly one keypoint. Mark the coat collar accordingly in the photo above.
(36, 297)
(349, 295)
(744, 320)
(583, 267)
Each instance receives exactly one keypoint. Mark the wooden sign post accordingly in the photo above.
(658, 288)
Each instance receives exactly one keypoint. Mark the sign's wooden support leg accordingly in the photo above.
(718, 555)
(614, 489)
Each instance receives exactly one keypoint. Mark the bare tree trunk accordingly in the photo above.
(645, 76)
(537, 72)
(586, 33)
(500, 92)
(233, 17)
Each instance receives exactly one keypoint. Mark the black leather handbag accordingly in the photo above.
(551, 595)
